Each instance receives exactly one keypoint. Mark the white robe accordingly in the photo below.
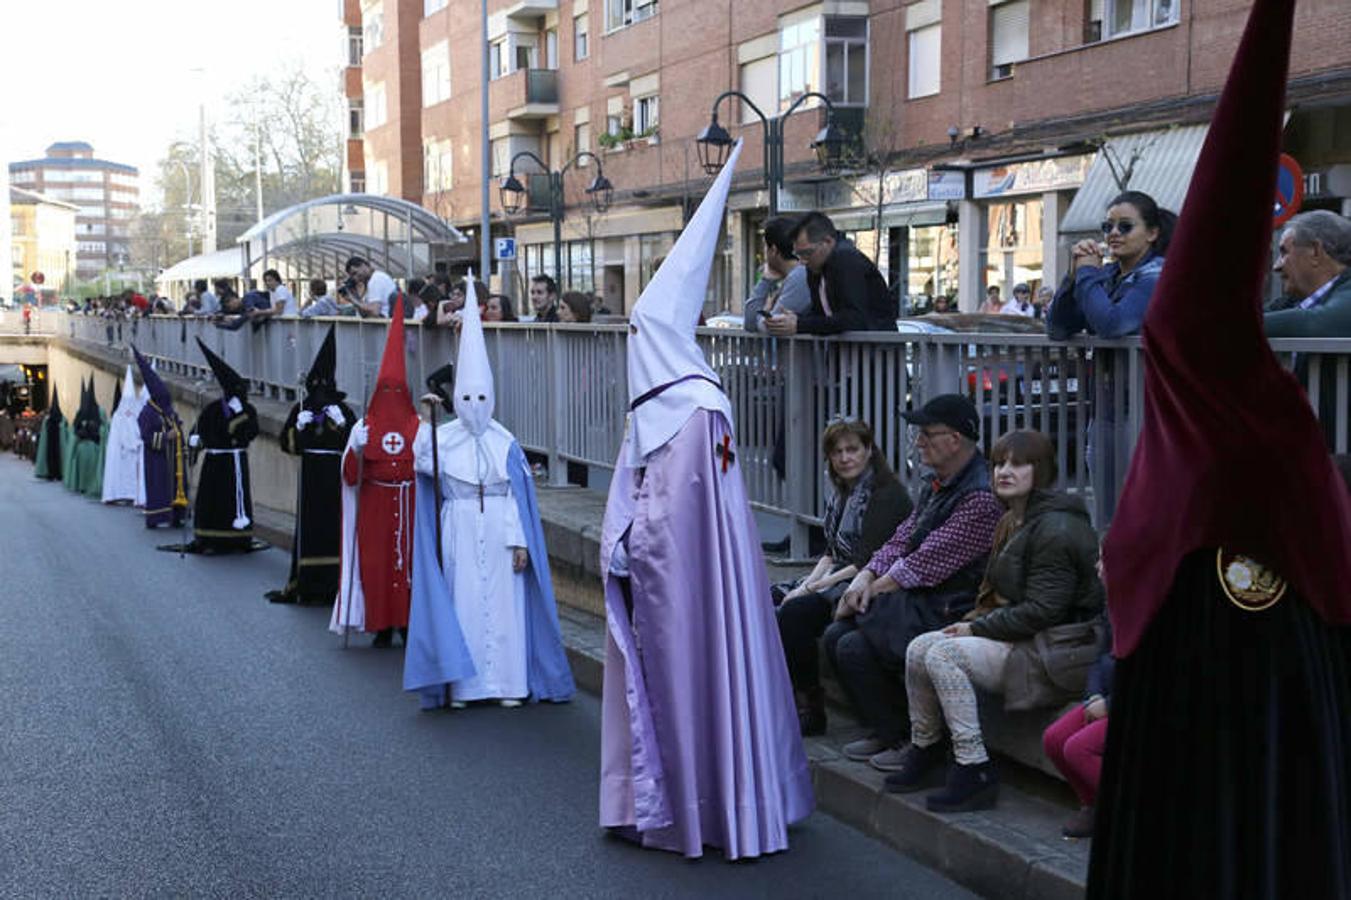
(477, 537)
(123, 469)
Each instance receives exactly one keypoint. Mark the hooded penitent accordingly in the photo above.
(164, 451)
(51, 439)
(86, 458)
(317, 431)
(1228, 562)
(377, 503)
(476, 625)
(688, 609)
(122, 464)
(222, 519)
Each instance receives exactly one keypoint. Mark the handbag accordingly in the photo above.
(1052, 666)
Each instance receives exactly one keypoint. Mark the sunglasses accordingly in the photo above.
(1123, 227)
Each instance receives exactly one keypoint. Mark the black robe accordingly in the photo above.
(225, 437)
(315, 549)
(1228, 762)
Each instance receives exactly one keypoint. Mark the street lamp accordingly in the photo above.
(715, 142)
(514, 196)
(187, 203)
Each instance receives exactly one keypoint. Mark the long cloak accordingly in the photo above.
(123, 467)
(316, 547)
(437, 653)
(51, 443)
(700, 742)
(166, 464)
(222, 519)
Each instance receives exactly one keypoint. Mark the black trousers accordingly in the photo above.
(872, 670)
(801, 623)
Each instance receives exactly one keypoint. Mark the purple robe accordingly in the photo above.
(166, 467)
(700, 741)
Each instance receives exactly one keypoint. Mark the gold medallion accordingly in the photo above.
(1248, 584)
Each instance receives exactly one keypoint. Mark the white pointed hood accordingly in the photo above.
(130, 404)
(669, 378)
(474, 398)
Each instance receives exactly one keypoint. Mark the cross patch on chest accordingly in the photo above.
(392, 443)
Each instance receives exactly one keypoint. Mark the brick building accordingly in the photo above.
(1001, 122)
(107, 194)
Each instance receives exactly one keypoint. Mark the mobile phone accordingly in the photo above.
(764, 314)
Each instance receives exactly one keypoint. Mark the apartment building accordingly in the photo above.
(107, 194)
(43, 242)
(992, 132)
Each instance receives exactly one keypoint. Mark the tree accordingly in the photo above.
(869, 155)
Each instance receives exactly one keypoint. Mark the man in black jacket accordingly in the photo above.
(847, 291)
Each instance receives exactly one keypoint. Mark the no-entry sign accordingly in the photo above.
(1289, 190)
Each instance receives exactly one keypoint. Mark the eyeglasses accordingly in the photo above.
(806, 253)
(1122, 227)
(929, 434)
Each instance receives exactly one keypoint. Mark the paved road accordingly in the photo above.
(164, 730)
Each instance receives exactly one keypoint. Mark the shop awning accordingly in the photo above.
(216, 264)
(1163, 170)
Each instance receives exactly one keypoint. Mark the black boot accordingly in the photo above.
(384, 639)
(1080, 825)
(811, 712)
(968, 788)
(403, 636)
(921, 767)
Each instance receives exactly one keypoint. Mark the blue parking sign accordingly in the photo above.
(505, 248)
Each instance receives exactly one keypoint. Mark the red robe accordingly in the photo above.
(384, 522)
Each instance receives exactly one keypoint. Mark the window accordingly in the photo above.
(759, 81)
(437, 165)
(92, 247)
(580, 35)
(498, 59)
(619, 13)
(847, 60)
(526, 57)
(379, 178)
(356, 182)
(373, 31)
(354, 43)
(431, 6)
(551, 49)
(1008, 37)
(93, 211)
(93, 228)
(1125, 16)
(581, 141)
(436, 74)
(614, 123)
(356, 117)
(120, 212)
(925, 57)
(374, 102)
(123, 179)
(78, 193)
(646, 115)
(23, 176)
(799, 60)
(501, 157)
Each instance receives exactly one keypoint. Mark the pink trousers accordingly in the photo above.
(1075, 746)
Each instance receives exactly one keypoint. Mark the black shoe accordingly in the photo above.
(811, 712)
(921, 767)
(280, 597)
(403, 636)
(384, 639)
(775, 546)
(1079, 825)
(968, 788)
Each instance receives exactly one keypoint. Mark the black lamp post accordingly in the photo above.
(715, 143)
(514, 197)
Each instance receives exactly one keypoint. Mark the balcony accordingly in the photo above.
(531, 9)
(526, 94)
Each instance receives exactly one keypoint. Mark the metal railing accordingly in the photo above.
(11, 322)
(562, 390)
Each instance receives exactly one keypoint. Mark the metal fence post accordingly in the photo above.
(799, 438)
(558, 467)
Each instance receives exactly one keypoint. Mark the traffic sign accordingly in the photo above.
(505, 248)
(37, 278)
(1289, 190)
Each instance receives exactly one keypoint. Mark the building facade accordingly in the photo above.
(991, 133)
(43, 242)
(107, 194)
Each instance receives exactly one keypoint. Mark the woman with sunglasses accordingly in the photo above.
(1108, 299)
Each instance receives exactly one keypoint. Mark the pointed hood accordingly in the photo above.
(321, 384)
(117, 391)
(391, 407)
(229, 379)
(669, 378)
(1218, 406)
(88, 414)
(125, 402)
(474, 396)
(54, 411)
(157, 392)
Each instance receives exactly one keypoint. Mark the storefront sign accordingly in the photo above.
(947, 184)
(1034, 177)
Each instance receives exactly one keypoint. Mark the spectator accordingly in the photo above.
(431, 298)
(281, 302)
(208, 304)
(1021, 304)
(375, 290)
(847, 292)
(1041, 307)
(598, 307)
(942, 303)
(576, 307)
(1076, 741)
(321, 304)
(783, 280)
(1315, 251)
(448, 316)
(1109, 299)
(1042, 575)
(993, 304)
(865, 506)
(924, 578)
(544, 298)
(498, 309)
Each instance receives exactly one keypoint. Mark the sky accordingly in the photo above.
(128, 77)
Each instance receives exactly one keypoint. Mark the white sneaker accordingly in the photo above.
(458, 704)
(509, 704)
(864, 749)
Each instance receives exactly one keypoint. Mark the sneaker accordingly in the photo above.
(458, 704)
(968, 788)
(508, 704)
(890, 760)
(918, 768)
(865, 749)
(1079, 825)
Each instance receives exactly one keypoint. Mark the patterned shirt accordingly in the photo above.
(966, 535)
(1318, 296)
